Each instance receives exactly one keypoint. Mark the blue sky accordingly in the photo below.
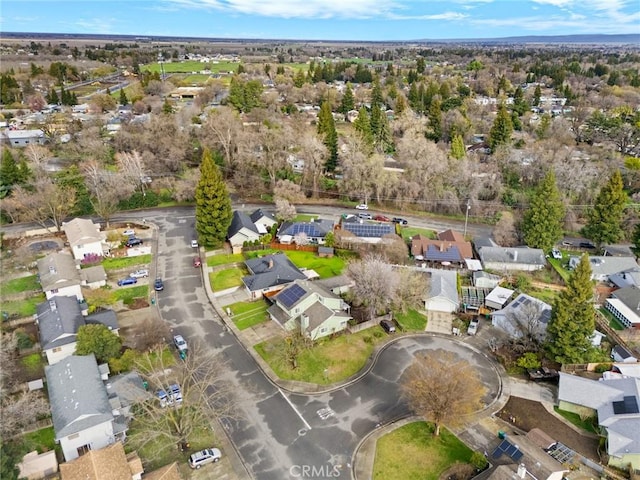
(373, 20)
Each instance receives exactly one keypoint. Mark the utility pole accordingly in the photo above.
(466, 217)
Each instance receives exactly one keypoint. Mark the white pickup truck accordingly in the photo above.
(473, 327)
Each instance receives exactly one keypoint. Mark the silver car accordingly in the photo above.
(208, 455)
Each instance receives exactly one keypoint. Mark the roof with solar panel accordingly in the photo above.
(369, 230)
(315, 229)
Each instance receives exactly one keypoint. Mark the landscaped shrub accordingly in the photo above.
(602, 367)
(24, 340)
(479, 461)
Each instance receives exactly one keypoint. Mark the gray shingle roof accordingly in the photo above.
(58, 270)
(260, 214)
(80, 231)
(630, 296)
(604, 266)
(270, 271)
(444, 283)
(528, 256)
(93, 274)
(239, 221)
(58, 321)
(103, 317)
(77, 395)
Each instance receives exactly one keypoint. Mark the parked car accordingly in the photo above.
(208, 455)
(473, 327)
(140, 274)
(366, 216)
(362, 206)
(175, 393)
(127, 281)
(556, 254)
(388, 326)
(399, 220)
(194, 243)
(129, 233)
(133, 241)
(164, 398)
(587, 245)
(197, 262)
(158, 285)
(381, 218)
(180, 342)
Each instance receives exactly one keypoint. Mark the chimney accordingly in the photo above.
(522, 470)
(270, 263)
(304, 321)
(442, 247)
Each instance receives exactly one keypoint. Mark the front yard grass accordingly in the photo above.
(124, 262)
(613, 321)
(408, 232)
(325, 267)
(328, 361)
(127, 294)
(411, 321)
(23, 308)
(304, 217)
(19, 285)
(224, 259)
(588, 424)
(558, 265)
(248, 314)
(227, 278)
(413, 452)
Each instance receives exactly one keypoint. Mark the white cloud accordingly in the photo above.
(446, 16)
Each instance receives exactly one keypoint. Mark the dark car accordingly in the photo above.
(399, 220)
(588, 245)
(127, 281)
(388, 326)
(133, 241)
(158, 285)
(381, 218)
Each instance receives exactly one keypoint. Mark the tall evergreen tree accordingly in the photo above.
(213, 205)
(376, 93)
(502, 128)
(348, 101)
(543, 220)
(327, 130)
(434, 132)
(458, 149)
(604, 224)
(52, 97)
(123, 98)
(636, 240)
(573, 318)
(362, 125)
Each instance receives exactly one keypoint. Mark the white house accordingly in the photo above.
(22, 138)
(624, 304)
(443, 291)
(622, 355)
(59, 275)
(85, 238)
(82, 415)
(498, 298)
(525, 316)
(241, 230)
(510, 259)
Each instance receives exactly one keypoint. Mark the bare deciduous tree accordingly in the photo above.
(223, 133)
(132, 168)
(375, 281)
(314, 153)
(284, 210)
(505, 230)
(107, 189)
(442, 388)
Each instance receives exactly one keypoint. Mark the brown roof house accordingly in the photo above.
(109, 463)
(450, 248)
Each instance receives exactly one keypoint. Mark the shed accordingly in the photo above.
(622, 354)
(325, 252)
(498, 298)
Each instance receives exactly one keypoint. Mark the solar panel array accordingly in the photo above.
(368, 230)
(561, 453)
(451, 254)
(310, 229)
(510, 449)
(291, 295)
(628, 405)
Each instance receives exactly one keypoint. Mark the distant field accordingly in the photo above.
(191, 66)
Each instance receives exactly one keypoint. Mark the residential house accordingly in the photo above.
(106, 463)
(443, 291)
(616, 403)
(621, 354)
(617, 251)
(626, 278)
(263, 220)
(624, 304)
(126, 390)
(365, 232)
(524, 317)
(315, 231)
(83, 419)
(338, 285)
(310, 307)
(59, 275)
(85, 238)
(58, 321)
(241, 230)
(93, 277)
(450, 248)
(498, 298)
(270, 274)
(603, 267)
(511, 258)
(23, 138)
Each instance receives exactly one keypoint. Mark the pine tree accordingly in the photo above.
(123, 98)
(362, 125)
(537, 93)
(327, 130)
(502, 128)
(458, 149)
(348, 102)
(435, 121)
(573, 318)
(376, 93)
(636, 240)
(53, 98)
(213, 205)
(9, 172)
(299, 79)
(604, 224)
(543, 220)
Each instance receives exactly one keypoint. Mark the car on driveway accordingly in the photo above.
(180, 342)
(399, 220)
(362, 206)
(197, 262)
(127, 281)
(129, 233)
(158, 285)
(203, 457)
(133, 241)
(387, 326)
(556, 254)
(381, 218)
(140, 274)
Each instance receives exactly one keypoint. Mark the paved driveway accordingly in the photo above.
(439, 322)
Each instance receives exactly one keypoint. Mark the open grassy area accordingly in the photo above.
(41, 440)
(546, 295)
(224, 259)
(227, 278)
(304, 217)
(33, 363)
(325, 267)
(248, 314)
(126, 294)
(124, 262)
(328, 361)
(413, 452)
(411, 321)
(23, 308)
(408, 232)
(613, 321)
(190, 66)
(19, 285)
(559, 265)
(588, 424)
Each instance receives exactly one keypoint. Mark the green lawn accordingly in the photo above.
(190, 66)
(546, 295)
(126, 294)
(328, 361)
(33, 363)
(19, 285)
(412, 452)
(408, 232)
(248, 314)
(613, 321)
(41, 440)
(223, 279)
(197, 78)
(23, 308)
(224, 258)
(411, 321)
(124, 262)
(558, 265)
(588, 424)
(304, 217)
(325, 267)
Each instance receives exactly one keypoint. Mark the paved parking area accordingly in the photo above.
(439, 322)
